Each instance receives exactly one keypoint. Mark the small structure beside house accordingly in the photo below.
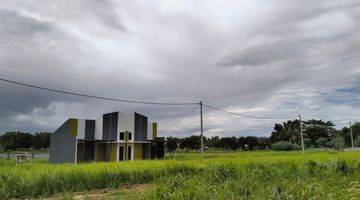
(112, 137)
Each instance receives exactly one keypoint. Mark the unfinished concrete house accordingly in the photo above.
(110, 138)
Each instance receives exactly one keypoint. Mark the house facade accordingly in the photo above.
(112, 137)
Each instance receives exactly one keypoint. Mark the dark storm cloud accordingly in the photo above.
(254, 57)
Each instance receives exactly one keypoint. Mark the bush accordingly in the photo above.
(285, 146)
(321, 142)
(338, 142)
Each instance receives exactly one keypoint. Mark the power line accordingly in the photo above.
(168, 121)
(93, 96)
(183, 118)
(241, 115)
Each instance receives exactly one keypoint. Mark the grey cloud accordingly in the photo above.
(14, 24)
(84, 46)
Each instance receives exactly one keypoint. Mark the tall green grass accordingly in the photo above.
(241, 175)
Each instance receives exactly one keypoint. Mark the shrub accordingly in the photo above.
(285, 146)
(338, 142)
(321, 142)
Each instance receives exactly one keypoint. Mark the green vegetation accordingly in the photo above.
(285, 146)
(20, 141)
(238, 175)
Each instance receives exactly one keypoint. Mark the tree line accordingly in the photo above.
(17, 140)
(285, 136)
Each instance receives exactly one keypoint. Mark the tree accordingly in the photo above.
(251, 142)
(288, 131)
(242, 143)
(41, 140)
(192, 142)
(316, 129)
(321, 142)
(263, 143)
(338, 142)
(15, 140)
(171, 145)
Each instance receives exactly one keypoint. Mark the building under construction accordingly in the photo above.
(112, 137)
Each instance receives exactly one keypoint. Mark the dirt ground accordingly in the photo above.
(129, 191)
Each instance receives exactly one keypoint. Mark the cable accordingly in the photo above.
(183, 118)
(245, 116)
(93, 96)
(168, 121)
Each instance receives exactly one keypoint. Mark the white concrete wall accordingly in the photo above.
(98, 128)
(126, 123)
(81, 129)
(149, 131)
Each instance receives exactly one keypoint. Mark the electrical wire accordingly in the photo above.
(168, 121)
(93, 96)
(245, 116)
(182, 119)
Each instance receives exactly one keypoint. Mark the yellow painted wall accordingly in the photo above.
(154, 130)
(138, 152)
(73, 127)
(100, 152)
(80, 152)
(112, 152)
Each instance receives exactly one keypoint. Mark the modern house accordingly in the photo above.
(112, 137)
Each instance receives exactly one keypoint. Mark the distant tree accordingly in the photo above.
(288, 131)
(171, 145)
(263, 143)
(213, 142)
(345, 134)
(24, 140)
(338, 142)
(316, 129)
(8, 140)
(307, 143)
(41, 140)
(356, 130)
(242, 143)
(15, 140)
(192, 142)
(229, 143)
(251, 142)
(321, 142)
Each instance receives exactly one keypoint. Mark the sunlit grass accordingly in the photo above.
(239, 175)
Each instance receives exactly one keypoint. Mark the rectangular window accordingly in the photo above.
(121, 135)
(121, 153)
(129, 137)
(129, 152)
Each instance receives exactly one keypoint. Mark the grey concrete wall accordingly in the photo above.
(63, 145)
(110, 126)
(89, 129)
(140, 127)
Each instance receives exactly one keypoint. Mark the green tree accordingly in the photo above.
(41, 140)
(171, 145)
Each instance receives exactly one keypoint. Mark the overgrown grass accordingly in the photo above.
(241, 175)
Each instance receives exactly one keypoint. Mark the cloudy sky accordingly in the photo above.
(264, 58)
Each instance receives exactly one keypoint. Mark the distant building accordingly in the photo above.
(113, 137)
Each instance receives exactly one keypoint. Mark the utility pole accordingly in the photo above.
(201, 128)
(352, 138)
(301, 135)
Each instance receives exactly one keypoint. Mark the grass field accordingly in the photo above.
(240, 175)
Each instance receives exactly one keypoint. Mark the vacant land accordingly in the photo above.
(240, 175)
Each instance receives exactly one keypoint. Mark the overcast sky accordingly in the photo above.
(258, 57)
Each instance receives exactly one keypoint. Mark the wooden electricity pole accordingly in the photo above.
(201, 128)
(301, 135)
